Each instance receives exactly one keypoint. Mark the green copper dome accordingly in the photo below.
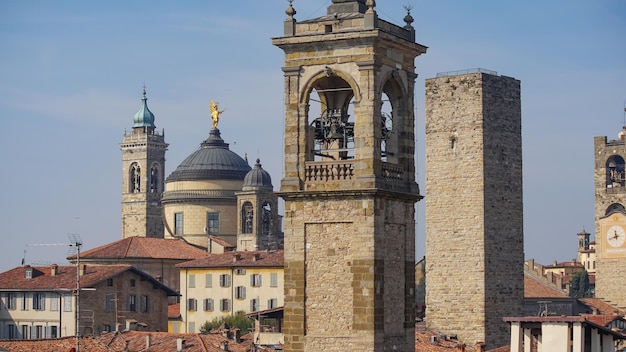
(144, 117)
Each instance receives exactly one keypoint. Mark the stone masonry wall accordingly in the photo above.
(474, 221)
(610, 279)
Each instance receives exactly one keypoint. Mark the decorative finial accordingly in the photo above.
(290, 11)
(370, 5)
(215, 113)
(144, 92)
(408, 18)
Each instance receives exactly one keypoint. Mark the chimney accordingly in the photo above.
(480, 347)
(224, 345)
(460, 347)
(53, 269)
(180, 344)
(83, 269)
(147, 341)
(237, 336)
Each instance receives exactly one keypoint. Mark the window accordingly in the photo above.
(54, 303)
(109, 282)
(53, 332)
(240, 271)
(272, 303)
(11, 300)
(24, 301)
(192, 280)
(208, 304)
(273, 280)
(213, 223)
(135, 178)
(106, 327)
(192, 327)
(132, 282)
(11, 332)
(208, 280)
(109, 302)
(255, 280)
(132, 303)
(267, 218)
(240, 292)
(67, 302)
(143, 303)
(225, 305)
(154, 178)
(192, 304)
(254, 305)
(175, 327)
(247, 217)
(39, 301)
(25, 334)
(38, 332)
(225, 280)
(178, 223)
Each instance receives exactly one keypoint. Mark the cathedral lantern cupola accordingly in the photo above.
(144, 118)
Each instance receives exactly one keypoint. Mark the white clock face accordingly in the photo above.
(616, 236)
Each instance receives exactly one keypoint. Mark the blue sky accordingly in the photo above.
(71, 75)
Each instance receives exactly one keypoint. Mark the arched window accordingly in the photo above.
(247, 217)
(267, 217)
(615, 207)
(615, 172)
(154, 178)
(135, 178)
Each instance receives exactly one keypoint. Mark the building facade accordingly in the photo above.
(40, 302)
(224, 284)
(143, 170)
(610, 215)
(349, 186)
(474, 209)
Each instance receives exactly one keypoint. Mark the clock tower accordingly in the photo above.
(143, 167)
(610, 214)
(349, 183)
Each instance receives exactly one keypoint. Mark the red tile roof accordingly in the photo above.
(535, 289)
(64, 344)
(65, 277)
(602, 320)
(240, 259)
(144, 247)
(601, 307)
(173, 311)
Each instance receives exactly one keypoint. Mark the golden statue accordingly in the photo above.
(215, 113)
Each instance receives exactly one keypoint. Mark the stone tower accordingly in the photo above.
(258, 221)
(349, 185)
(143, 165)
(610, 215)
(474, 219)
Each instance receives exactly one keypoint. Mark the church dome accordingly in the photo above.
(212, 161)
(144, 117)
(257, 177)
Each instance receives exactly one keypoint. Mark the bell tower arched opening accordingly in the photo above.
(615, 172)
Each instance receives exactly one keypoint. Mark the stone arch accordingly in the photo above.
(330, 135)
(247, 217)
(394, 111)
(134, 175)
(615, 207)
(155, 178)
(615, 171)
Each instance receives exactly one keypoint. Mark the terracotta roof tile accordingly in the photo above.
(602, 320)
(602, 307)
(65, 277)
(173, 311)
(238, 259)
(535, 289)
(144, 247)
(64, 344)
(162, 341)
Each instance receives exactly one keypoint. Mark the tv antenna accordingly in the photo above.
(74, 248)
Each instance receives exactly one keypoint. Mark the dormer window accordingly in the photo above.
(28, 273)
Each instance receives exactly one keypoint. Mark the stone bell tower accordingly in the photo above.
(143, 165)
(349, 185)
